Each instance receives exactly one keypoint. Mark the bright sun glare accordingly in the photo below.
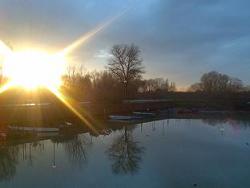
(32, 69)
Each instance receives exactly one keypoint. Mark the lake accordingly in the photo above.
(175, 153)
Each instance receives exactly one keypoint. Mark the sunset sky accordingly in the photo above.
(179, 39)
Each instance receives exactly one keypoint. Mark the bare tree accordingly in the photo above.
(172, 87)
(77, 82)
(196, 87)
(156, 84)
(214, 82)
(125, 64)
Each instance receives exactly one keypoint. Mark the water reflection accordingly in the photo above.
(76, 149)
(214, 122)
(190, 145)
(8, 162)
(11, 155)
(125, 153)
(243, 122)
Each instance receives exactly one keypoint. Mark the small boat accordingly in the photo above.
(123, 118)
(144, 114)
(47, 134)
(33, 129)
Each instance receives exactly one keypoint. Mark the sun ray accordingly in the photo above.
(4, 49)
(72, 107)
(6, 86)
(90, 34)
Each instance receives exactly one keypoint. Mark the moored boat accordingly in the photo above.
(33, 129)
(123, 117)
(145, 114)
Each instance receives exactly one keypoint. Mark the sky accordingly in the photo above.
(179, 39)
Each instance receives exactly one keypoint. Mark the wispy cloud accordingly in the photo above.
(104, 54)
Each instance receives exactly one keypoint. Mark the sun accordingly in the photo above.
(32, 69)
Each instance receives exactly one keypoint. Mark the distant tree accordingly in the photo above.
(77, 82)
(214, 82)
(105, 87)
(172, 87)
(135, 87)
(196, 87)
(150, 85)
(157, 85)
(166, 85)
(235, 84)
(125, 64)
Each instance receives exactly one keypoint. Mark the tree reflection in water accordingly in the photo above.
(243, 122)
(8, 162)
(125, 153)
(10, 156)
(76, 150)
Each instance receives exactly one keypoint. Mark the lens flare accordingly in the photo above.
(90, 34)
(31, 69)
(6, 86)
(4, 49)
(73, 107)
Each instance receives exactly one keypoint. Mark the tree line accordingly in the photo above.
(122, 78)
(215, 82)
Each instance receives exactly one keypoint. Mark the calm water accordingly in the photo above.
(167, 153)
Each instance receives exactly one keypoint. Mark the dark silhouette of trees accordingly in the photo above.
(126, 64)
(172, 87)
(122, 79)
(196, 87)
(235, 84)
(156, 87)
(152, 85)
(215, 82)
(125, 153)
(105, 87)
(77, 83)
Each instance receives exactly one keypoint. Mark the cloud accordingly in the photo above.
(102, 54)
